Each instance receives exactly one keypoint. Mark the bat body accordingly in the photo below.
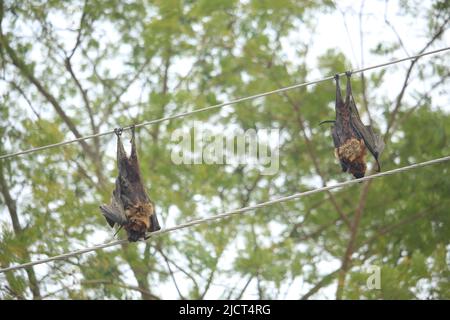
(130, 206)
(351, 137)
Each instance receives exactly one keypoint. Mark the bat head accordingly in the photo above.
(135, 229)
(357, 169)
(138, 220)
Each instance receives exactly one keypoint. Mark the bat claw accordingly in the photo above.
(348, 73)
(336, 76)
(378, 166)
(327, 121)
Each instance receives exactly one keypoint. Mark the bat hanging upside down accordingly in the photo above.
(130, 207)
(350, 136)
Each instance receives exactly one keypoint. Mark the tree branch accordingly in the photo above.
(140, 274)
(181, 269)
(409, 219)
(87, 104)
(80, 29)
(18, 88)
(346, 259)
(322, 283)
(419, 102)
(171, 273)
(12, 209)
(399, 99)
(25, 70)
(239, 296)
(143, 292)
(390, 25)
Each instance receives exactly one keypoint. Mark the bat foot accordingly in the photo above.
(118, 131)
(348, 73)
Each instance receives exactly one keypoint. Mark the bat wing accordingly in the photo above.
(337, 143)
(114, 212)
(132, 189)
(372, 141)
(154, 224)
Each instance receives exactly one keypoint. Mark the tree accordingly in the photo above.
(70, 69)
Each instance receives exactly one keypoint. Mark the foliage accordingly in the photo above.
(71, 68)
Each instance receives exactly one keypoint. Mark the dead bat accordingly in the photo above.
(130, 207)
(350, 136)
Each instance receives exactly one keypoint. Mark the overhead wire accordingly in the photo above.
(218, 106)
(230, 213)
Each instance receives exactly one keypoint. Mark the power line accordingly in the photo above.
(230, 213)
(220, 105)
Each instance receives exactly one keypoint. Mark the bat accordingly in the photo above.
(351, 137)
(130, 206)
